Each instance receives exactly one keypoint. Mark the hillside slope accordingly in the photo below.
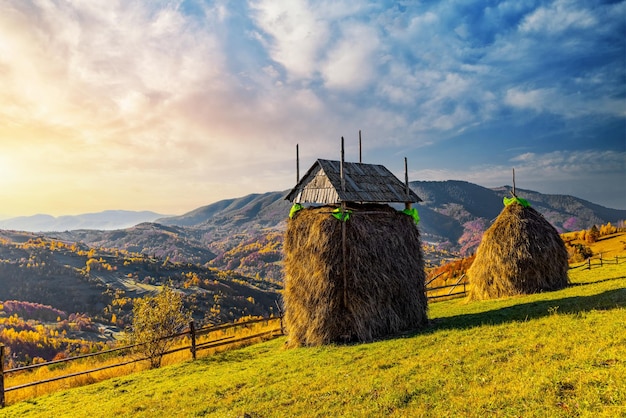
(151, 239)
(75, 278)
(258, 210)
(477, 359)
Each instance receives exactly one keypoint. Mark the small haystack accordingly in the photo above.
(521, 253)
(380, 289)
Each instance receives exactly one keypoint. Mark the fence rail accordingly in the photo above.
(452, 287)
(588, 264)
(599, 262)
(193, 347)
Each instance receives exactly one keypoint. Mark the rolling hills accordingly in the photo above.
(101, 281)
(454, 214)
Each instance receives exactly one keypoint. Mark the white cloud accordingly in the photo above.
(352, 62)
(84, 65)
(530, 99)
(558, 17)
(296, 34)
(421, 23)
(565, 103)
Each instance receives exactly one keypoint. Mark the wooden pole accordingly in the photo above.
(344, 247)
(341, 174)
(600, 259)
(360, 148)
(407, 204)
(192, 332)
(297, 164)
(514, 195)
(2, 376)
(344, 254)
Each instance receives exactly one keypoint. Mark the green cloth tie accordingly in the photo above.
(294, 209)
(508, 200)
(413, 214)
(342, 215)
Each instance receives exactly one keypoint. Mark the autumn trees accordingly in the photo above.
(155, 320)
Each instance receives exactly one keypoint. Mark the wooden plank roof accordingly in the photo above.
(366, 183)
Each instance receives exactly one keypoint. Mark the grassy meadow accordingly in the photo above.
(556, 354)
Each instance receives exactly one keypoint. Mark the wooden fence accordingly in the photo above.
(124, 352)
(439, 292)
(598, 261)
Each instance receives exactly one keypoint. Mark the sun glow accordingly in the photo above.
(7, 171)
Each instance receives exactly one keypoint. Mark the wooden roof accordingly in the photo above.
(366, 183)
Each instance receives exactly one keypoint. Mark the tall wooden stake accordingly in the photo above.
(192, 332)
(2, 376)
(344, 247)
(343, 180)
(344, 254)
(514, 195)
(407, 204)
(360, 148)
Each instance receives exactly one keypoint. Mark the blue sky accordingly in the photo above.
(170, 105)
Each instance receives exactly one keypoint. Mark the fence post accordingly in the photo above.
(1, 376)
(600, 259)
(589, 263)
(192, 332)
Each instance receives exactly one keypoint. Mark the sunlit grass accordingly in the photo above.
(556, 354)
(68, 368)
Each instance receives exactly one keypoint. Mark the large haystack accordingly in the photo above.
(384, 290)
(521, 253)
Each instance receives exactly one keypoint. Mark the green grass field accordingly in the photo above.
(557, 354)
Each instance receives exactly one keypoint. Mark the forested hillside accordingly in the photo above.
(177, 244)
(101, 284)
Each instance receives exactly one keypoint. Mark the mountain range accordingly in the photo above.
(454, 214)
(445, 211)
(231, 234)
(106, 220)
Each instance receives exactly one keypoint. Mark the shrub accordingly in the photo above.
(578, 252)
(155, 318)
(593, 234)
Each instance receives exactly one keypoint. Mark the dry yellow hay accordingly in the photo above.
(385, 292)
(521, 253)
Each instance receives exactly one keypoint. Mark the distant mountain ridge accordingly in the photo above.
(446, 207)
(265, 210)
(454, 214)
(106, 220)
(459, 212)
